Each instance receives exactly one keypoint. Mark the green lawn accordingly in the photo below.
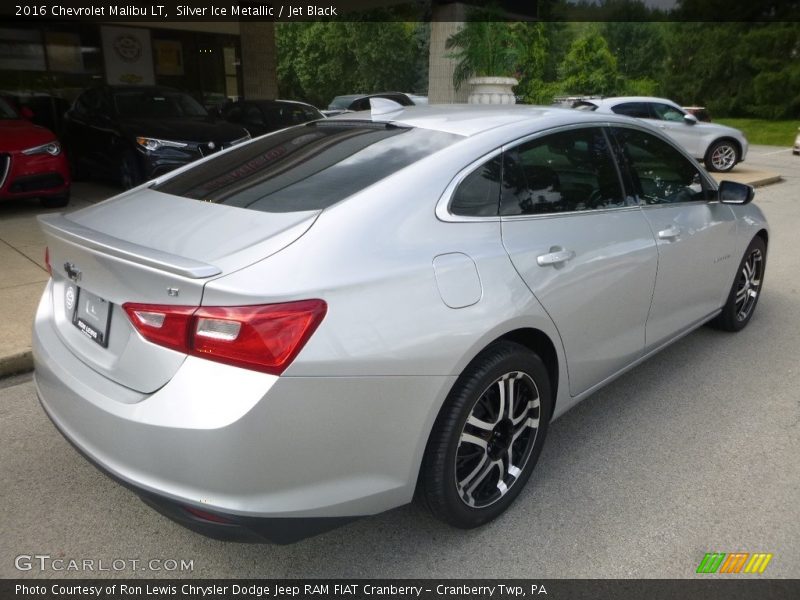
(762, 131)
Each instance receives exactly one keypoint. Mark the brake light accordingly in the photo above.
(47, 261)
(263, 338)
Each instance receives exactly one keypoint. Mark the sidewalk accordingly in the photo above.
(24, 275)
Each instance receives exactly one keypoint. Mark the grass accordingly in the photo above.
(763, 131)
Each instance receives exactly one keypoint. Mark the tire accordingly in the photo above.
(722, 156)
(55, 201)
(130, 172)
(460, 479)
(746, 289)
(76, 168)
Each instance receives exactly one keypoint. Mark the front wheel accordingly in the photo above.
(722, 156)
(130, 173)
(488, 436)
(746, 289)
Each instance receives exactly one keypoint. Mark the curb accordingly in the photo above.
(16, 363)
(766, 181)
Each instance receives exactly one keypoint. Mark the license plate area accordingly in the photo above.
(90, 313)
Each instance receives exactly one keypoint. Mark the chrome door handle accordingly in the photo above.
(670, 233)
(555, 258)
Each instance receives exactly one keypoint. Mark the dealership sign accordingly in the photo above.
(128, 55)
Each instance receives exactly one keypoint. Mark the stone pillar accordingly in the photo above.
(447, 19)
(259, 60)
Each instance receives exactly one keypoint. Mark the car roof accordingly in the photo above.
(473, 119)
(277, 102)
(622, 99)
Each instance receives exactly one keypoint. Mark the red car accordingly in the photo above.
(32, 164)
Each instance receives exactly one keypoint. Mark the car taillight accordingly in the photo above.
(263, 338)
(47, 261)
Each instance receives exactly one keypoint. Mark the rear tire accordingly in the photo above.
(746, 289)
(484, 447)
(722, 156)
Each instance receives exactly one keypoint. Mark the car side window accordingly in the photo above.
(253, 116)
(563, 172)
(478, 194)
(660, 173)
(234, 114)
(640, 110)
(665, 112)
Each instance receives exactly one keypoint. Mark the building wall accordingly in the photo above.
(259, 63)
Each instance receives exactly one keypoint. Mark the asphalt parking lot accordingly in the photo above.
(694, 451)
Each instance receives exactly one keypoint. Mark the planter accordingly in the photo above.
(492, 90)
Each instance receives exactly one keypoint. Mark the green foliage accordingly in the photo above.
(589, 67)
(320, 60)
(485, 46)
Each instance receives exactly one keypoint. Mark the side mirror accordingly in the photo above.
(690, 119)
(26, 112)
(731, 192)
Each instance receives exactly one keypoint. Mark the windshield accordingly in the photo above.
(307, 167)
(6, 111)
(157, 104)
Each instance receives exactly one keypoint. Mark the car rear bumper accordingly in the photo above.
(248, 446)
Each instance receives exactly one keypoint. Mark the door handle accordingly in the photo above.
(555, 258)
(670, 233)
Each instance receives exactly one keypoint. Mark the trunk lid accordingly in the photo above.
(148, 247)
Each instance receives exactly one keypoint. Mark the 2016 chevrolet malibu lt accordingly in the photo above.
(305, 328)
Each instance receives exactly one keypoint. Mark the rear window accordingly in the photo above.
(309, 167)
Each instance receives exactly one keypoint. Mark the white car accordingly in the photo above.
(718, 146)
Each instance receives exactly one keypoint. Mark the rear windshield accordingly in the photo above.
(308, 167)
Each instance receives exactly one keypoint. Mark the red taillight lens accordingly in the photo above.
(47, 261)
(264, 338)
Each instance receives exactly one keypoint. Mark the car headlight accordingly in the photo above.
(151, 144)
(51, 148)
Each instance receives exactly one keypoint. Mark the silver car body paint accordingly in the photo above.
(413, 293)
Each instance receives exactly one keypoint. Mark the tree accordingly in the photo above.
(589, 67)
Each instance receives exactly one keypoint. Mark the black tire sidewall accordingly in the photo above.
(439, 464)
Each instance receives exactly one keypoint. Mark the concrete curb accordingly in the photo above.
(766, 180)
(16, 363)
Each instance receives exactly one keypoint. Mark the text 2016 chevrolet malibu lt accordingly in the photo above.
(311, 326)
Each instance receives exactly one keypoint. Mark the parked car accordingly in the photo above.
(796, 149)
(720, 147)
(356, 102)
(134, 133)
(701, 112)
(263, 116)
(45, 110)
(306, 328)
(32, 164)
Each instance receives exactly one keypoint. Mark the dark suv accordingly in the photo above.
(135, 133)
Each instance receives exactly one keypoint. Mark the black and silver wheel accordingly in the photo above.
(488, 436)
(746, 289)
(722, 156)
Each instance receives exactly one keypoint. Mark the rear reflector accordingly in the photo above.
(263, 338)
(206, 516)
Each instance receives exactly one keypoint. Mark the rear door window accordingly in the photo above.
(640, 110)
(308, 167)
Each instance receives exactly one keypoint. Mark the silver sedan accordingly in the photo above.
(315, 325)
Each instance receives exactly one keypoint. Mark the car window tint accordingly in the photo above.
(234, 113)
(478, 194)
(563, 172)
(660, 173)
(640, 110)
(253, 116)
(665, 112)
(308, 167)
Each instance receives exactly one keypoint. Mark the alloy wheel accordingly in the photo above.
(749, 284)
(723, 157)
(497, 439)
